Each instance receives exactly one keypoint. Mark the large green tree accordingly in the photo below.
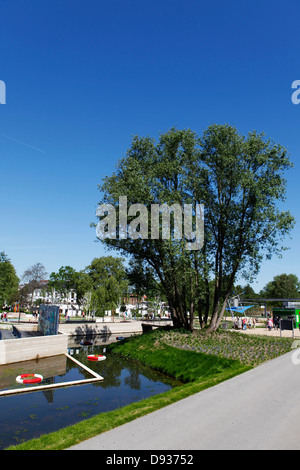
(108, 283)
(244, 185)
(155, 174)
(282, 286)
(141, 279)
(67, 280)
(238, 179)
(64, 281)
(9, 280)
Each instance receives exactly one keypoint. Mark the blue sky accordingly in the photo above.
(83, 77)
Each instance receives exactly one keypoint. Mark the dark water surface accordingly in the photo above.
(29, 415)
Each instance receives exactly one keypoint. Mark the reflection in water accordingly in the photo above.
(29, 415)
(88, 333)
(47, 367)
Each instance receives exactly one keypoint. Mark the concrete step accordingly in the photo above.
(6, 334)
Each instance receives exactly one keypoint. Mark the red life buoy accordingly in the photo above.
(29, 378)
(96, 357)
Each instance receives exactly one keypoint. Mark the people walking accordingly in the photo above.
(270, 324)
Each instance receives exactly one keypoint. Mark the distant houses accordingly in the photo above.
(43, 294)
(130, 306)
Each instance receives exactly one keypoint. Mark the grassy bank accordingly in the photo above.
(187, 365)
(199, 360)
(248, 349)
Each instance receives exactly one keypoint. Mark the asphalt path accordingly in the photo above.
(257, 410)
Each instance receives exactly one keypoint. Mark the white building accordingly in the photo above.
(67, 302)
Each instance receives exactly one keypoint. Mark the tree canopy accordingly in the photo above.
(67, 279)
(238, 179)
(64, 280)
(108, 283)
(9, 280)
(282, 286)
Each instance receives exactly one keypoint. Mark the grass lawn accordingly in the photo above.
(198, 359)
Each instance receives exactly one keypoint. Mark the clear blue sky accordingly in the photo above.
(82, 77)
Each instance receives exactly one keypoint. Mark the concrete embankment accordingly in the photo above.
(107, 328)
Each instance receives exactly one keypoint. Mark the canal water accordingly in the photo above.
(31, 414)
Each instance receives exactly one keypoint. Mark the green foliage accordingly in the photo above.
(141, 278)
(250, 350)
(282, 286)
(243, 182)
(64, 280)
(67, 279)
(108, 283)
(183, 365)
(188, 356)
(238, 179)
(98, 287)
(9, 280)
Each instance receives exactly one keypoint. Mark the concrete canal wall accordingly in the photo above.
(27, 348)
(100, 328)
(28, 345)
(107, 328)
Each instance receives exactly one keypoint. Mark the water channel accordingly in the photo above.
(31, 414)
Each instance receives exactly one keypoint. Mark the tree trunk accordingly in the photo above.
(217, 316)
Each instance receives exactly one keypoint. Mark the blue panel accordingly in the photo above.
(48, 320)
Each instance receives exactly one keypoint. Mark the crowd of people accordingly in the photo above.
(3, 316)
(247, 323)
(244, 323)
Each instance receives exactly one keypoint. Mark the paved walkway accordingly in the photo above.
(273, 332)
(259, 409)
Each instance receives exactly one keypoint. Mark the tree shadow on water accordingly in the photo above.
(87, 333)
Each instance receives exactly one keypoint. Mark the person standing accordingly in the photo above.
(270, 324)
